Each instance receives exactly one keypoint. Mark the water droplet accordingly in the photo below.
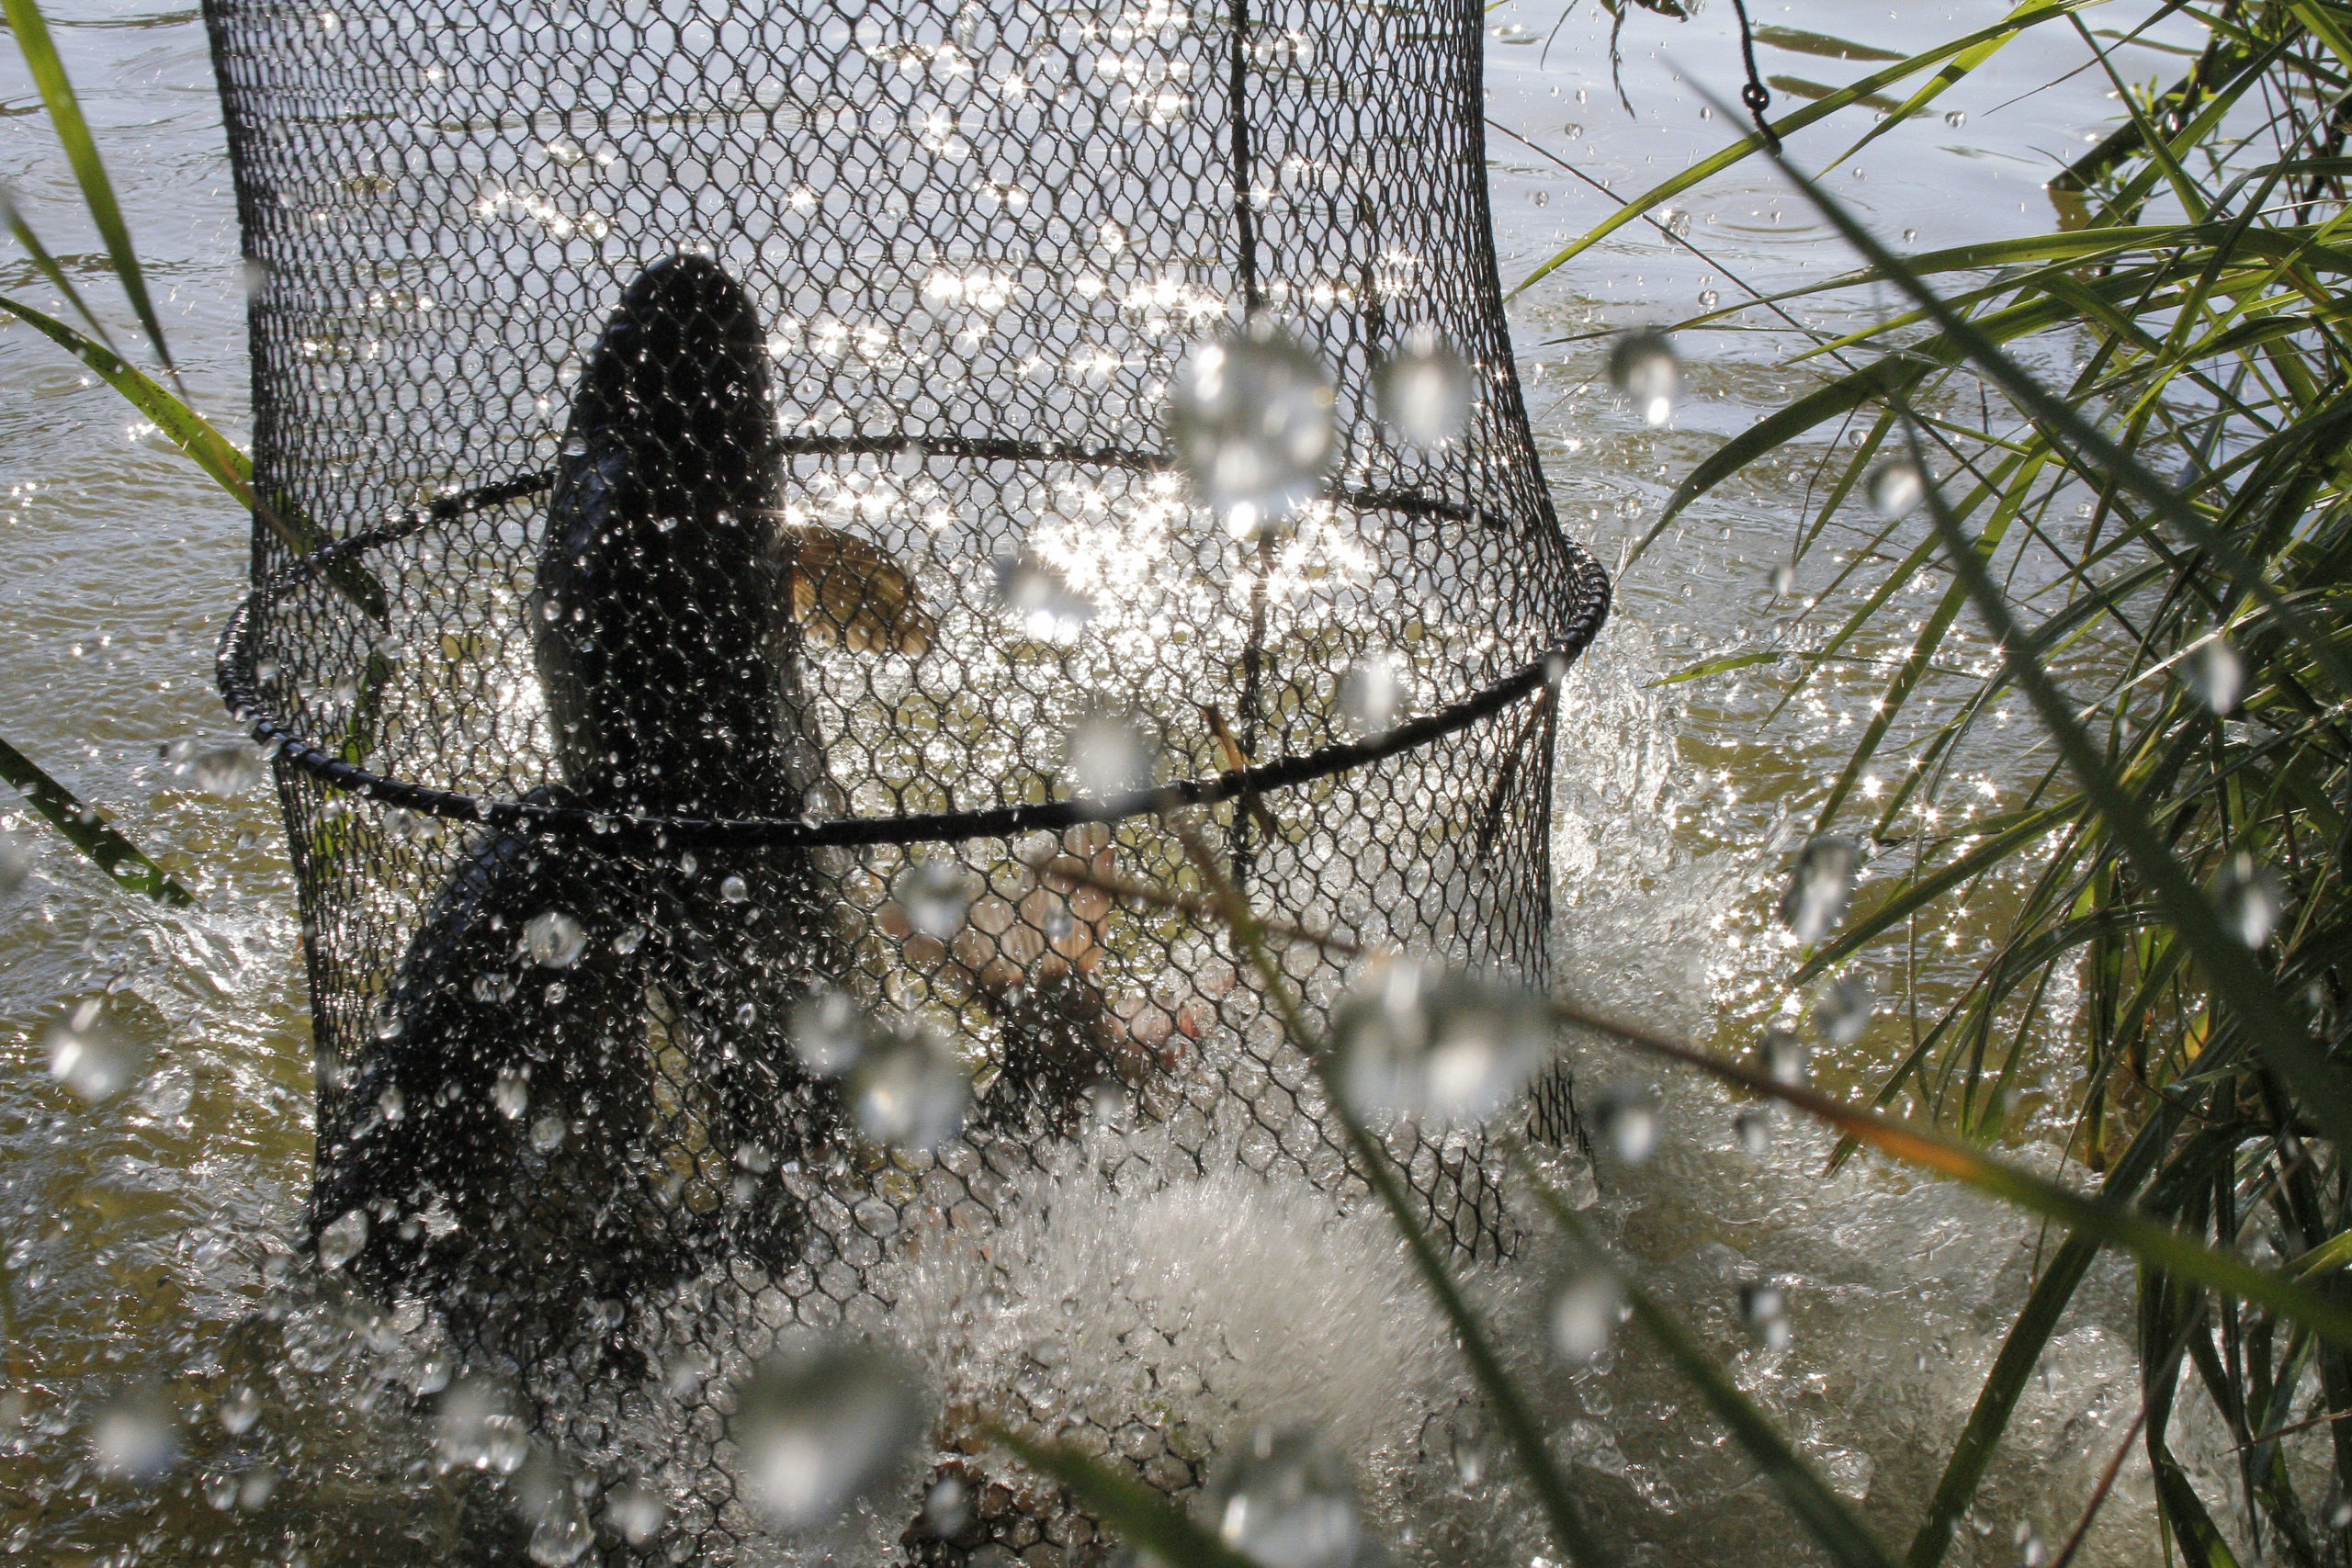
(341, 1239)
(1824, 879)
(1643, 366)
(1764, 1308)
(2250, 897)
(258, 1485)
(240, 1410)
(935, 894)
(828, 1033)
(687, 864)
(909, 1090)
(629, 940)
(2342, 1518)
(2215, 674)
(1784, 1057)
(946, 1509)
(1284, 1500)
(1250, 422)
(510, 1093)
(734, 889)
(1909, 235)
(1753, 1127)
(1586, 1312)
(15, 864)
(474, 1429)
(553, 939)
(1626, 1118)
(1371, 696)
(1956, 119)
(232, 769)
(822, 1425)
(90, 1054)
(1108, 754)
(1784, 579)
(1895, 487)
(1424, 390)
(1709, 298)
(2031, 1554)
(1034, 594)
(636, 1513)
(1843, 1011)
(1418, 1040)
(547, 1133)
(135, 1437)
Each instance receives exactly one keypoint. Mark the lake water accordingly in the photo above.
(138, 1235)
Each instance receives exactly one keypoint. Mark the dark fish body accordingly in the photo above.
(662, 627)
(494, 1136)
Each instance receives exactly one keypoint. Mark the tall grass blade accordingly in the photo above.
(1569, 1531)
(48, 266)
(209, 450)
(80, 825)
(2110, 1222)
(1147, 1520)
(1807, 1496)
(97, 192)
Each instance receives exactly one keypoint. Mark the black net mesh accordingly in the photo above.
(736, 438)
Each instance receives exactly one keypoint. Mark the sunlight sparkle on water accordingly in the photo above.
(821, 1424)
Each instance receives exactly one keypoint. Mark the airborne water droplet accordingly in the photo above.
(1753, 1127)
(1626, 1118)
(553, 939)
(1424, 390)
(821, 1426)
(2250, 897)
(908, 1090)
(1784, 1057)
(547, 1133)
(232, 769)
(1047, 607)
(828, 1033)
(91, 1055)
(135, 1437)
(510, 1093)
(1764, 1308)
(1371, 696)
(1643, 366)
(240, 1410)
(2215, 673)
(733, 889)
(1286, 1501)
(1709, 298)
(1843, 1011)
(935, 895)
(1824, 879)
(1956, 119)
(1895, 487)
(1249, 421)
(1417, 1039)
(636, 1513)
(1108, 755)
(340, 1240)
(1586, 1312)
(474, 1429)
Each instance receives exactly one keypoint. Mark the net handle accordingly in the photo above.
(233, 665)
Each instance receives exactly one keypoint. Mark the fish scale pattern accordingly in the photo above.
(980, 239)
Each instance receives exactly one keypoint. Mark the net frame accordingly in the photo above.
(431, 261)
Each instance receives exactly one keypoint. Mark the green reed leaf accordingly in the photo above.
(80, 825)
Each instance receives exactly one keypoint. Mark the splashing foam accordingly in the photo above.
(1198, 1309)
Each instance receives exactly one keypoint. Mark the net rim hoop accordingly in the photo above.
(234, 658)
